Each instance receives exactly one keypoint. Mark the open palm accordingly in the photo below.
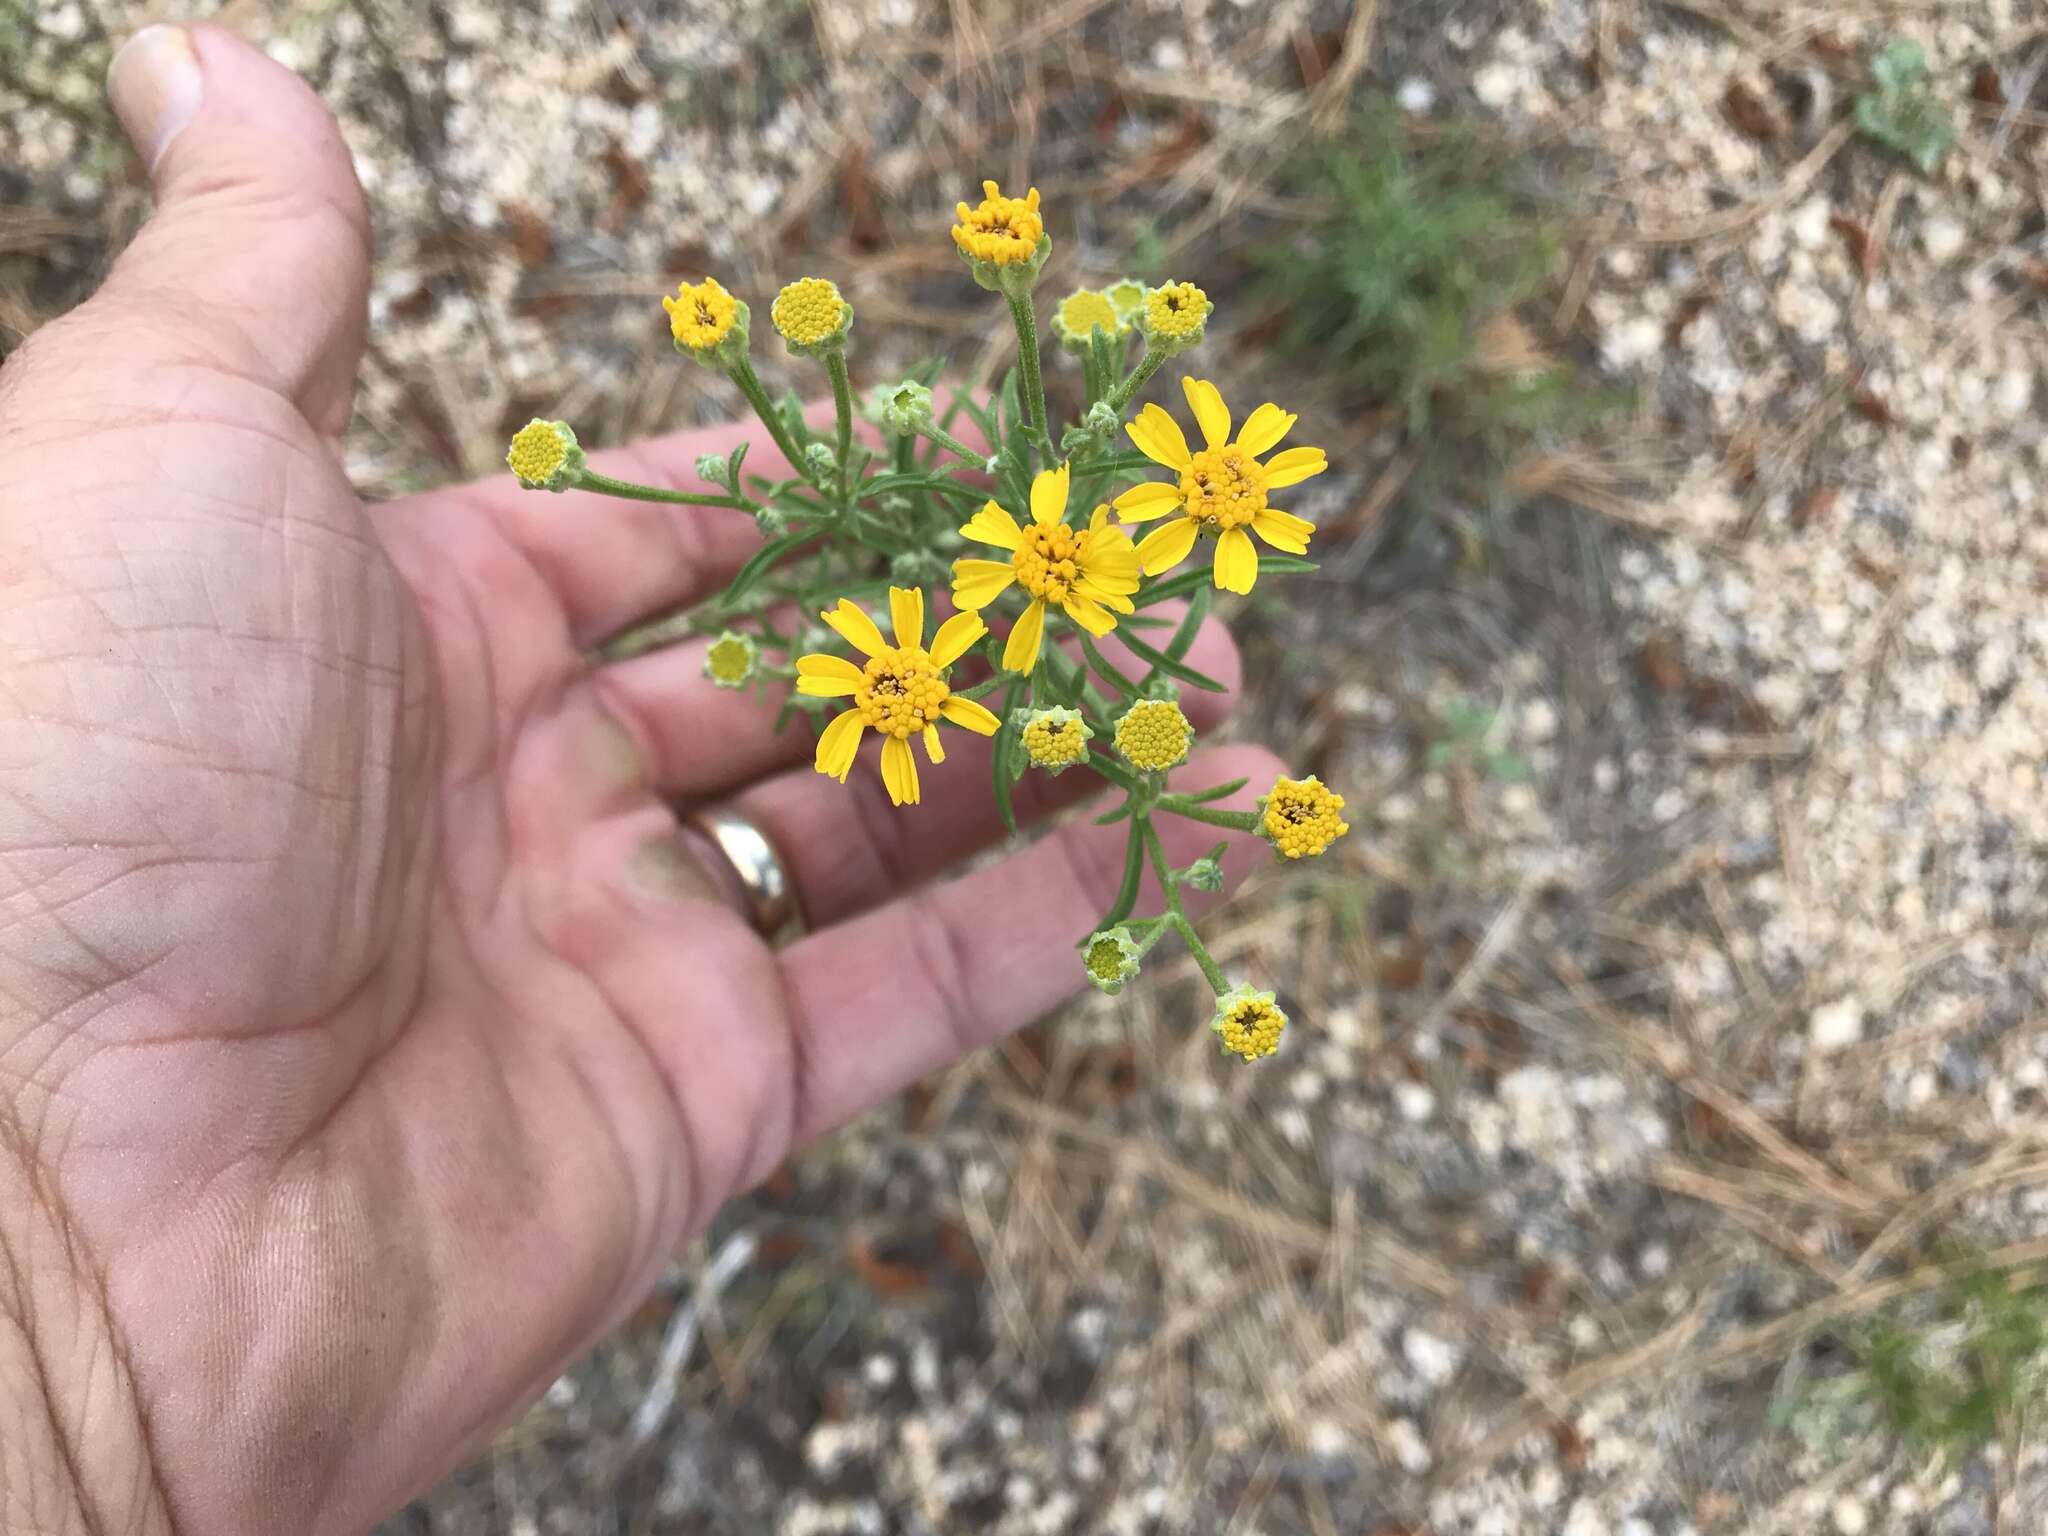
(370, 1038)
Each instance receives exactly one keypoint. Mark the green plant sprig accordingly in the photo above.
(865, 520)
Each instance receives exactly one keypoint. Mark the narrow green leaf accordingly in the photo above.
(1162, 662)
(1188, 581)
(1134, 873)
(1004, 750)
(759, 563)
(1218, 792)
(1104, 670)
(1191, 622)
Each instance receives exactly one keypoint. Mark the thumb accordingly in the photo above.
(257, 257)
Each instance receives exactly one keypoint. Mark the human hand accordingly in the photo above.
(370, 1039)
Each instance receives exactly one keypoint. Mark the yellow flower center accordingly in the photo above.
(1054, 743)
(1177, 310)
(1252, 1028)
(808, 310)
(729, 660)
(700, 314)
(537, 451)
(1088, 311)
(901, 691)
(1303, 817)
(1106, 960)
(1154, 734)
(1223, 488)
(1050, 560)
(1002, 230)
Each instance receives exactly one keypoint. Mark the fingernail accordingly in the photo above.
(155, 86)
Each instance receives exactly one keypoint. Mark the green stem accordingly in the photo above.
(1026, 316)
(842, 403)
(605, 485)
(1210, 971)
(1092, 375)
(952, 444)
(742, 373)
(1134, 871)
(1234, 821)
(1140, 376)
(1176, 914)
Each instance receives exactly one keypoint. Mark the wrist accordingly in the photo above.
(74, 1455)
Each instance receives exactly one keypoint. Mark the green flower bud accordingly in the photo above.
(730, 661)
(1111, 958)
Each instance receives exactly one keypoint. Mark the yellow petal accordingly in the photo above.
(899, 771)
(1158, 437)
(1142, 503)
(1237, 561)
(855, 627)
(993, 525)
(1020, 654)
(840, 744)
(1120, 601)
(814, 686)
(1264, 428)
(970, 715)
(976, 582)
(906, 612)
(1293, 467)
(955, 636)
(933, 747)
(1089, 614)
(1099, 518)
(1283, 530)
(1049, 495)
(1211, 414)
(821, 664)
(1165, 547)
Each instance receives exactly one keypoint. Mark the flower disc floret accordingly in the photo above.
(701, 315)
(1154, 735)
(1082, 313)
(544, 456)
(1002, 231)
(1302, 817)
(1248, 1024)
(729, 662)
(1175, 316)
(1055, 739)
(1127, 296)
(1111, 958)
(810, 313)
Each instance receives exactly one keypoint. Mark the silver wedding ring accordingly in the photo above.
(765, 886)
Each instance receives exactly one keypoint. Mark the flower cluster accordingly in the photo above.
(1054, 558)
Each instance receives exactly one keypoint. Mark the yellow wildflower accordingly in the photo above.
(1175, 316)
(901, 691)
(1081, 313)
(810, 313)
(1154, 735)
(544, 456)
(1247, 1023)
(1002, 231)
(1222, 489)
(1055, 739)
(1087, 571)
(701, 315)
(1302, 817)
